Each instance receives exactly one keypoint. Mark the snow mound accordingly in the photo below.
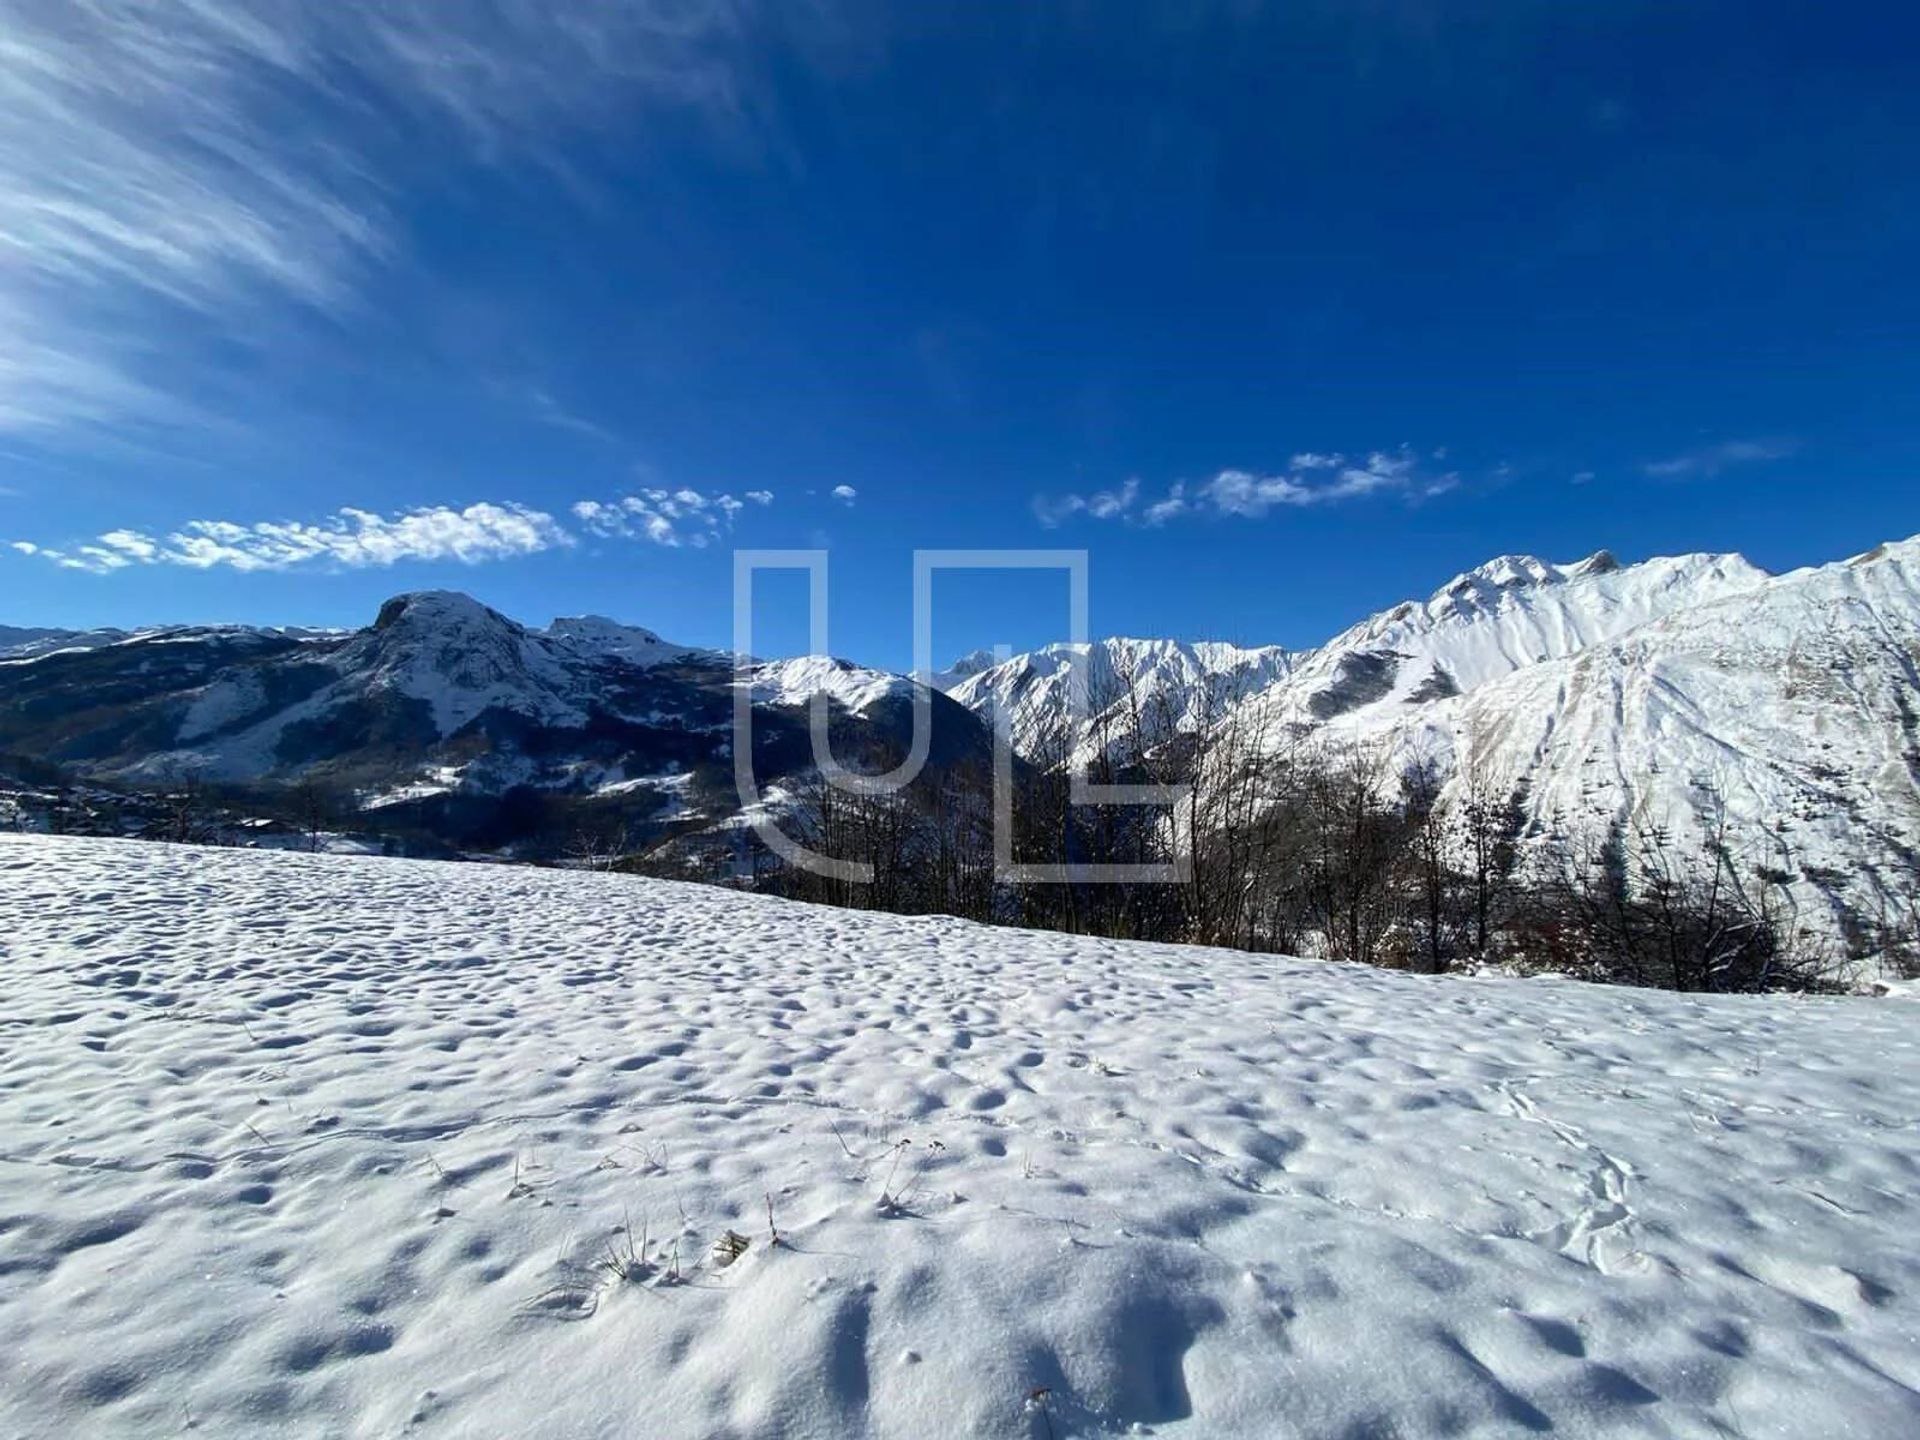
(320, 1145)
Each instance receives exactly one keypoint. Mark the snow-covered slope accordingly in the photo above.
(1509, 614)
(462, 659)
(305, 1145)
(1172, 685)
(965, 668)
(595, 635)
(19, 642)
(440, 695)
(1662, 690)
(1795, 703)
(797, 681)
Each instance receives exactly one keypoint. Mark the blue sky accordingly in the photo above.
(1284, 313)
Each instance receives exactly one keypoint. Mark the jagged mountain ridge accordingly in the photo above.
(443, 705)
(1608, 690)
(1792, 706)
(1485, 623)
(1511, 613)
(1660, 692)
(1168, 685)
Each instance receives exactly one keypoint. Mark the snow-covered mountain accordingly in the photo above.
(1500, 617)
(1660, 690)
(1664, 690)
(24, 642)
(1169, 685)
(30, 643)
(609, 639)
(1511, 613)
(440, 702)
(796, 681)
(1793, 704)
(965, 668)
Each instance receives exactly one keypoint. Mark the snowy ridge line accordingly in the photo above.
(1670, 689)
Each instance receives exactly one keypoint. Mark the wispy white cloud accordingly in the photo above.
(845, 494)
(349, 539)
(1239, 492)
(357, 539)
(207, 160)
(541, 405)
(1118, 504)
(1309, 479)
(1711, 460)
(1171, 507)
(667, 517)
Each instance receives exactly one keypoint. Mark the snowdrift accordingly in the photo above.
(323, 1146)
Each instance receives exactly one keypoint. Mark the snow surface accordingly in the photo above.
(314, 1145)
(798, 680)
(1501, 617)
(630, 644)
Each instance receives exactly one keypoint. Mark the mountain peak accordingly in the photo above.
(1525, 572)
(436, 608)
(1601, 562)
(599, 627)
(1507, 571)
(973, 663)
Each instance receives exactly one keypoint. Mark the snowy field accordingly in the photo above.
(326, 1146)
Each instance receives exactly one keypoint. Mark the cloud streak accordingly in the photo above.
(349, 539)
(667, 517)
(204, 162)
(1055, 510)
(355, 539)
(1310, 479)
(1711, 460)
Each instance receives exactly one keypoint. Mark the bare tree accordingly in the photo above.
(596, 843)
(1489, 819)
(1311, 846)
(1640, 907)
(312, 811)
(1435, 883)
(184, 806)
(1354, 842)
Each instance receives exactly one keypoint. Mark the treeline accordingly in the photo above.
(1301, 846)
